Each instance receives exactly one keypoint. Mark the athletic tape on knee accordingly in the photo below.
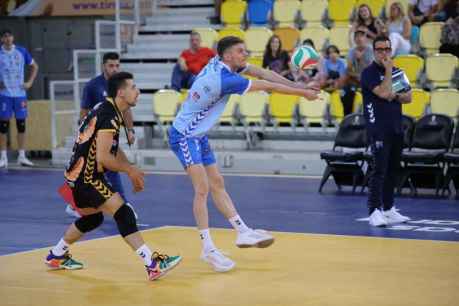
(125, 219)
(88, 223)
(4, 126)
(20, 125)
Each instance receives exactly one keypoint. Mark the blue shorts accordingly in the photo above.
(191, 150)
(10, 104)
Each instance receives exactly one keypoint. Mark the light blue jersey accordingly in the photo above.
(207, 98)
(12, 65)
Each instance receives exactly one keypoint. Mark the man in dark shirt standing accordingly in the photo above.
(382, 98)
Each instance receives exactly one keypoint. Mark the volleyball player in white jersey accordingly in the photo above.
(187, 138)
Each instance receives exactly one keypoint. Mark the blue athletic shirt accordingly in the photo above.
(12, 65)
(94, 92)
(207, 98)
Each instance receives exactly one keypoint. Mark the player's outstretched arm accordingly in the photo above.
(310, 94)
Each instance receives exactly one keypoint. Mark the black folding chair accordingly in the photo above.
(452, 164)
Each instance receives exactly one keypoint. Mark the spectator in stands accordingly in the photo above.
(398, 29)
(13, 98)
(334, 69)
(190, 63)
(359, 58)
(422, 11)
(276, 59)
(450, 37)
(216, 18)
(448, 9)
(366, 22)
(383, 114)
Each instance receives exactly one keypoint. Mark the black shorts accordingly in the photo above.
(92, 194)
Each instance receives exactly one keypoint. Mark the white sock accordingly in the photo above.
(4, 156)
(145, 252)
(60, 248)
(22, 153)
(238, 224)
(207, 243)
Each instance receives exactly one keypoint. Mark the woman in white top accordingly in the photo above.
(398, 28)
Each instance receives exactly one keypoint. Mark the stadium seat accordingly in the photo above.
(165, 102)
(256, 40)
(314, 112)
(357, 107)
(339, 36)
(340, 11)
(232, 12)
(440, 69)
(419, 101)
(285, 12)
(289, 37)
(252, 107)
(183, 95)
(345, 160)
(429, 38)
(312, 11)
(256, 61)
(446, 102)
(317, 33)
(404, 4)
(336, 107)
(231, 32)
(424, 160)
(376, 6)
(259, 12)
(228, 114)
(282, 108)
(412, 65)
(208, 36)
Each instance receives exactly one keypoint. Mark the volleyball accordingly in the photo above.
(305, 57)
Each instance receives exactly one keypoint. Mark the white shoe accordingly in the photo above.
(254, 238)
(135, 214)
(377, 219)
(3, 162)
(24, 161)
(392, 216)
(72, 212)
(218, 261)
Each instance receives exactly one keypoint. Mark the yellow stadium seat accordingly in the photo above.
(289, 37)
(282, 107)
(404, 4)
(208, 36)
(445, 101)
(357, 107)
(340, 11)
(339, 36)
(285, 12)
(314, 111)
(440, 69)
(429, 36)
(376, 6)
(256, 40)
(336, 107)
(183, 95)
(232, 12)
(419, 101)
(230, 32)
(256, 61)
(312, 11)
(228, 114)
(317, 33)
(411, 64)
(252, 106)
(165, 102)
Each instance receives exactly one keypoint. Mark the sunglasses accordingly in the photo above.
(383, 49)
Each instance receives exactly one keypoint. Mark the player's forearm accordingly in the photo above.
(274, 77)
(118, 163)
(33, 73)
(83, 113)
(404, 98)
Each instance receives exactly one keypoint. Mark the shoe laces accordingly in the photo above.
(160, 257)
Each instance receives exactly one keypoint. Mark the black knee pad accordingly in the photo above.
(88, 223)
(125, 219)
(20, 125)
(4, 126)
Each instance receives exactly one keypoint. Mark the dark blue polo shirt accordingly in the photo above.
(94, 92)
(382, 116)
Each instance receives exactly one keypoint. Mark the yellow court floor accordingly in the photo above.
(298, 269)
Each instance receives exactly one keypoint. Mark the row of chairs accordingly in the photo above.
(286, 12)
(430, 158)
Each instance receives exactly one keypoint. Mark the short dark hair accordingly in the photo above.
(118, 81)
(110, 56)
(381, 38)
(329, 49)
(6, 31)
(227, 42)
(308, 41)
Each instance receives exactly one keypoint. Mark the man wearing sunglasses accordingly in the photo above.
(384, 89)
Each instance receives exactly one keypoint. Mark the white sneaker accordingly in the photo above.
(72, 212)
(218, 261)
(135, 214)
(3, 162)
(24, 161)
(392, 216)
(254, 238)
(377, 219)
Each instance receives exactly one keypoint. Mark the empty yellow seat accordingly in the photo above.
(339, 36)
(419, 100)
(411, 64)
(357, 107)
(256, 40)
(445, 101)
(336, 107)
(230, 32)
(317, 33)
(440, 69)
(252, 106)
(282, 107)
(165, 102)
(228, 114)
(340, 11)
(314, 111)
(208, 36)
(289, 37)
(232, 12)
(285, 12)
(256, 61)
(312, 11)
(429, 36)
